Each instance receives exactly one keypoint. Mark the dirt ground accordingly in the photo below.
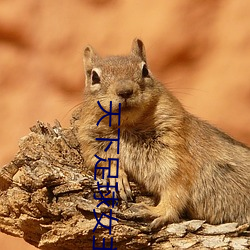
(200, 49)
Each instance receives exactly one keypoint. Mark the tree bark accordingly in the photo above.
(46, 197)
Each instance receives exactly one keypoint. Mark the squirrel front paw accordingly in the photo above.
(124, 187)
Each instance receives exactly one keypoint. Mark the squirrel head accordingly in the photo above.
(120, 79)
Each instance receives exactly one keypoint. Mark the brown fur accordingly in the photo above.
(191, 166)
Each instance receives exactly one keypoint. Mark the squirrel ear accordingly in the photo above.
(138, 49)
(89, 57)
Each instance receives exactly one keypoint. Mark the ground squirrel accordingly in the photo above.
(190, 166)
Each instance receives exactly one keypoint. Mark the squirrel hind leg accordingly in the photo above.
(164, 213)
(163, 220)
(168, 210)
(160, 215)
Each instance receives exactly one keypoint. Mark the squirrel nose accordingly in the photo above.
(125, 93)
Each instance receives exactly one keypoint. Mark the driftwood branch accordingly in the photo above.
(46, 197)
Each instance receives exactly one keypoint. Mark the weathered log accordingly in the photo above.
(46, 197)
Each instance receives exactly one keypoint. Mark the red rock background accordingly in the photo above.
(200, 49)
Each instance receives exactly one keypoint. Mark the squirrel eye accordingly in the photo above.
(95, 78)
(145, 72)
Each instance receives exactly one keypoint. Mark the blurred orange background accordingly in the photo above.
(200, 49)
